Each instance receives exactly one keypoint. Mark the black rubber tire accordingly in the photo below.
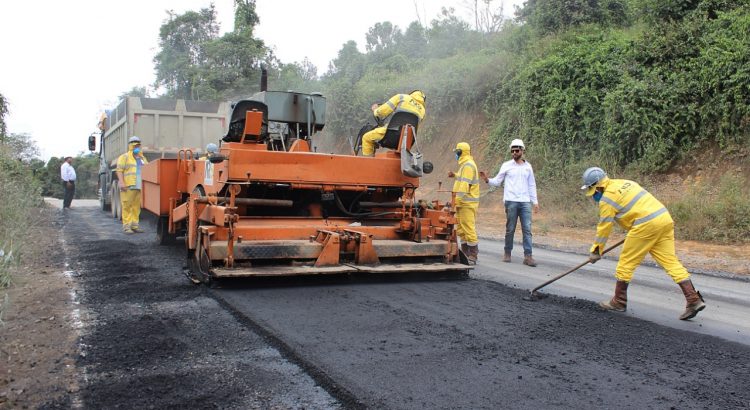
(104, 192)
(162, 232)
(116, 204)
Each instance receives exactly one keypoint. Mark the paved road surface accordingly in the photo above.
(391, 342)
(652, 294)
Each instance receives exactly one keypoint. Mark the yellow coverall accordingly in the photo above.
(130, 198)
(412, 103)
(466, 188)
(648, 223)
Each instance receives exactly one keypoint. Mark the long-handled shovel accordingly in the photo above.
(534, 295)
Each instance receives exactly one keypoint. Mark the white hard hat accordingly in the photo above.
(517, 143)
(212, 148)
(134, 139)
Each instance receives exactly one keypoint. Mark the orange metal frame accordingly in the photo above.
(186, 190)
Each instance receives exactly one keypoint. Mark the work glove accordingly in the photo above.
(593, 257)
(451, 174)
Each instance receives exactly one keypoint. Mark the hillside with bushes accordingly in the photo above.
(642, 88)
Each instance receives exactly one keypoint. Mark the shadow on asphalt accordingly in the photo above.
(336, 279)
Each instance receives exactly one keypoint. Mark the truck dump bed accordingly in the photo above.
(163, 125)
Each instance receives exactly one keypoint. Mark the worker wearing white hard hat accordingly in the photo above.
(129, 180)
(519, 197)
(211, 150)
(650, 230)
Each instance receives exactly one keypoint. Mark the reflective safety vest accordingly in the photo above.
(466, 185)
(631, 206)
(127, 164)
(400, 102)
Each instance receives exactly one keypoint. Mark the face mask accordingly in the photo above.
(136, 150)
(598, 196)
(458, 156)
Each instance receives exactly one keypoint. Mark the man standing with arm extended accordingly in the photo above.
(68, 175)
(650, 230)
(466, 188)
(519, 195)
(129, 180)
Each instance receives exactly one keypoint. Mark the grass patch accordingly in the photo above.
(718, 213)
(20, 196)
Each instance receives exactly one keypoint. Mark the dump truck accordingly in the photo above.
(165, 126)
(268, 204)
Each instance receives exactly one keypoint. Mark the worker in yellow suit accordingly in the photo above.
(650, 230)
(130, 182)
(413, 102)
(466, 187)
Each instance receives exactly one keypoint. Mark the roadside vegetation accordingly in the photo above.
(715, 213)
(24, 181)
(20, 197)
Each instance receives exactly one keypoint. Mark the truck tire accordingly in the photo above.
(162, 232)
(116, 205)
(103, 195)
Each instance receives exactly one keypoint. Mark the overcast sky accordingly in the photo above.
(63, 62)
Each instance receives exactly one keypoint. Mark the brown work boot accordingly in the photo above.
(529, 261)
(465, 248)
(694, 300)
(506, 257)
(472, 254)
(619, 302)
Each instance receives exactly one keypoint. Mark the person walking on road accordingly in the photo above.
(68, 175)
(650, 229)
(466, 187)
(129, 180)
(519, 196)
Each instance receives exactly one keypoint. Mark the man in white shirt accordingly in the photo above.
(68, 175)
(519, 195)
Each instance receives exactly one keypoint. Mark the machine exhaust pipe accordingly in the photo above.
(263, 79)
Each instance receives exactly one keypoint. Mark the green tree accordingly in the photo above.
(182, 42)
(134, 92)
(448, 35)
(20, 147)
(549, 16)
(381, 37)
(195, 63)
(413, 43)
(245, 16)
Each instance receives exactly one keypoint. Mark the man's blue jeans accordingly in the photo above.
(513, 211)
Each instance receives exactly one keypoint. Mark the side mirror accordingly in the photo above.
(92, 143)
